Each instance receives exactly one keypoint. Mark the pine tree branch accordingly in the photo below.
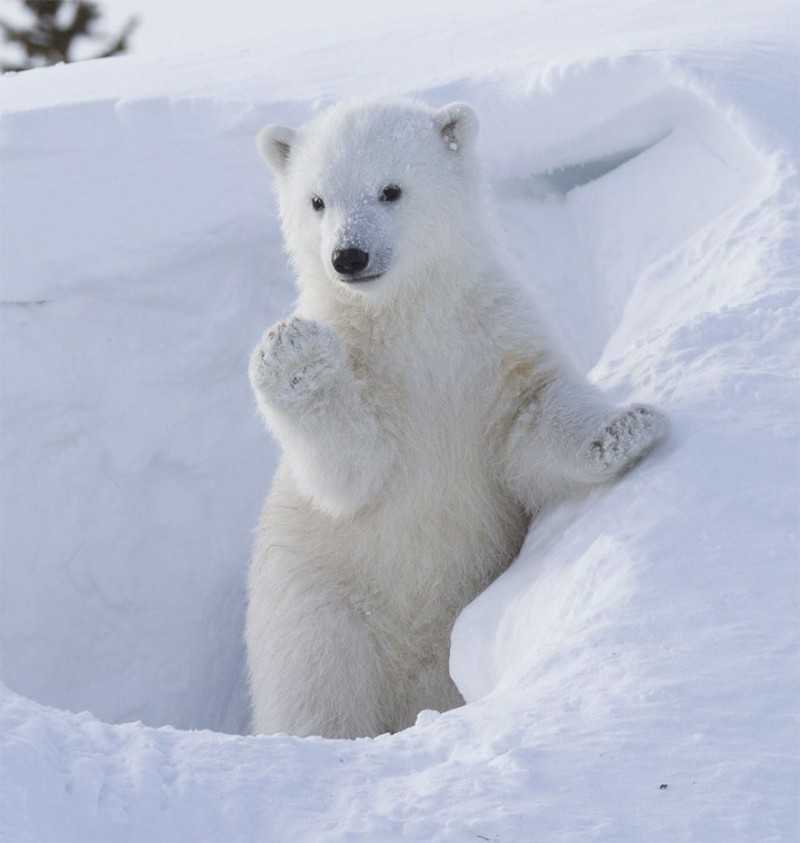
(120, 43)
(46, 42)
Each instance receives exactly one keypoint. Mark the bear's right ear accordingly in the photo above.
(275, 145)
(457, 124)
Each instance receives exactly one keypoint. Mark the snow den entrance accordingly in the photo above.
(134, 464)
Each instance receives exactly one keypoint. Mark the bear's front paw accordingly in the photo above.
(296, 360)
(624, 440)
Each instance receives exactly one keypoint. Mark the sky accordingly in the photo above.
(185, 26)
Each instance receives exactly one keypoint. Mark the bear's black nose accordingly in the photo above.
(349, 261)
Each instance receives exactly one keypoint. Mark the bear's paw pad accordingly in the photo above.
(295, 359)
(625, 439)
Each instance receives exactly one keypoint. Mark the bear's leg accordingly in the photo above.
(315, 406)
(570, 434)
(313, 666)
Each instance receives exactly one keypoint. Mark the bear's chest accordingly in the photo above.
(440, 412)
(436, 392)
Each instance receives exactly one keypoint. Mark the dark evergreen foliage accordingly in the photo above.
(56, 25)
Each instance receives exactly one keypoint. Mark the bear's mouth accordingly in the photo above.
(357, 279)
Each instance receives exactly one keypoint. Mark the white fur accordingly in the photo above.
(424, 416)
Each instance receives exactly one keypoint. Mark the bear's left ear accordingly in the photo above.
(275, 145)
(457, 124)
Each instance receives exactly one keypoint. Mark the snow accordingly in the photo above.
(648, 633)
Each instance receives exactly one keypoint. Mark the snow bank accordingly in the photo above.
(647, 634)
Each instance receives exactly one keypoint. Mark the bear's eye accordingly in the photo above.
(316, 202)
(391, 193)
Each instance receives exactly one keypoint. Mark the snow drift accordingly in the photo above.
(646, 636)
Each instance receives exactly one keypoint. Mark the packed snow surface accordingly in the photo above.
(634, 675)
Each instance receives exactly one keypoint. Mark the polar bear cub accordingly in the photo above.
(424, 413)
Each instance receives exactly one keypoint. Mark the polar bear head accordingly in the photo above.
(375, 196)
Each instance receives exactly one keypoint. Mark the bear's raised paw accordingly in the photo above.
(296, 360)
